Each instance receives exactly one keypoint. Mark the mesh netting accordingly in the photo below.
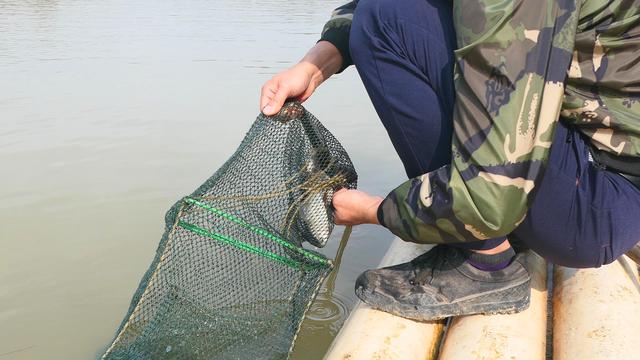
(231, 279)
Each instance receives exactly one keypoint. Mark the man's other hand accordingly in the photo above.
(355, 207)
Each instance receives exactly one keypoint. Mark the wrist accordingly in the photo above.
(311, 71)
(322, 61)
(372, 216)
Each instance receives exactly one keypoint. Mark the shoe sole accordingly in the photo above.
(507, 301)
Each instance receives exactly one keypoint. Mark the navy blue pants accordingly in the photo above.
(582, 216)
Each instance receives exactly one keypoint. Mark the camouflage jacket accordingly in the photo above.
(522, 65)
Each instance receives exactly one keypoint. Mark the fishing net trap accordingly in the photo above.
(230, 278)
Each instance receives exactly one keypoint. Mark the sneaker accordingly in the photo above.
(441, 283)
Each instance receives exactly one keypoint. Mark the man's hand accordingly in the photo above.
(301, 80)
(296, 82)
(354, 207)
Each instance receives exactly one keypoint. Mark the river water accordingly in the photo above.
(110, 110)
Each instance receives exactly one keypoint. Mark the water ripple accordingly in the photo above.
(328, 311)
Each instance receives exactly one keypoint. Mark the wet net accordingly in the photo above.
(231, 279)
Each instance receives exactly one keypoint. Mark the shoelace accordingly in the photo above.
(427, 268)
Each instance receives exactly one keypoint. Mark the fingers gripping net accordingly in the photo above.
(231, 279)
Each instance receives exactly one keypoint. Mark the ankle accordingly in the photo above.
(491, 262)
(505, 245)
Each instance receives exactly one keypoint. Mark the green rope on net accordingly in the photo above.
(304, 252)
(239, 244)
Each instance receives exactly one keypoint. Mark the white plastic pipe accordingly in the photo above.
(596, 312)
(372, 334)
(519, 336)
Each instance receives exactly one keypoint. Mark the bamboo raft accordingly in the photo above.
(593, 314)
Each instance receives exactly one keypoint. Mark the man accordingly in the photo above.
(515, 121)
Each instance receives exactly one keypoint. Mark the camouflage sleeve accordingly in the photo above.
(602, 95)
(512, 61)
(336, 31)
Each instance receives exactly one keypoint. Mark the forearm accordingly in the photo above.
(336, 31)
(321, 61)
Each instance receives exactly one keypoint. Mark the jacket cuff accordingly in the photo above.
(380, 214)
(339, 37)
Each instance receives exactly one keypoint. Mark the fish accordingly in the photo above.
(317, 174)
(315, 216)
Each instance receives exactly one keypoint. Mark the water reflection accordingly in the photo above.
(330, 308)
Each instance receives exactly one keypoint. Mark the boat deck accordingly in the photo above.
(594, 314)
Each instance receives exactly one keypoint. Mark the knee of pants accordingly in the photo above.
(366, 28)
(375, 21)
(388, 25)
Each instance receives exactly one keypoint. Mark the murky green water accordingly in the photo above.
(109, 112)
